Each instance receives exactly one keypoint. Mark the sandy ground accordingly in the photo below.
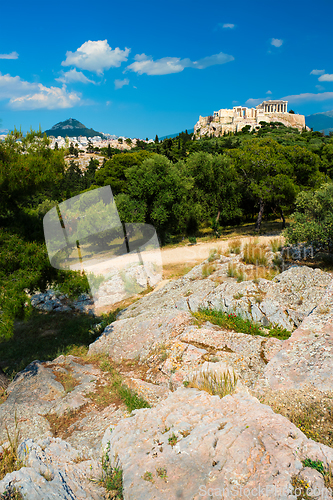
(175, 262)
(200, 251)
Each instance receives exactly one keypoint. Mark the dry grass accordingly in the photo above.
(234, 272)
(234, 246)
(63, 426)
(276, 244)
(311, 413)
(214, 254)
(255, 253)
(9, 460)
(215, 383)
(171, 271)
(208, 269)
(67, 380)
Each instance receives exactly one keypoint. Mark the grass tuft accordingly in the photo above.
(208, 269)
(234, 246)
(215, 383)
(255, 254)
(9, 460)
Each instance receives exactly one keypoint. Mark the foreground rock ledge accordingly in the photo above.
(233, 442)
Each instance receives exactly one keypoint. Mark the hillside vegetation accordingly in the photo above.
(180, 186)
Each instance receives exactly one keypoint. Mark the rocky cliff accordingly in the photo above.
(189, 444)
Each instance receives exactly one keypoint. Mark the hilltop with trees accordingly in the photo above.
(181, 186)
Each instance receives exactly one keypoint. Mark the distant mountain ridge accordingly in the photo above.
(72, 128)
(323, 122)
(171, 136)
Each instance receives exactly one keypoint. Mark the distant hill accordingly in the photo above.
(171, 136)
(323, 122)
(72, 128)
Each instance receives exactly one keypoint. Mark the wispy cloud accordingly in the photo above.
(317, 72)
(118, 84)
(96, 56)
(268, 92)
(73, 76)
(326, 78)
(309, 97)
(24, 95)
(146, 65)
(221, 26)
(276, 42)
(254, 102)
(12, 55)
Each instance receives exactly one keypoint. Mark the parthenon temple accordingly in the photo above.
(235, 119)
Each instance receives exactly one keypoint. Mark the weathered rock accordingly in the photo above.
(286, 300)
(54, 470)
(193, 443)
(36, 393)
(306, 358)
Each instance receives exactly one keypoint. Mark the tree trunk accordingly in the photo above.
(260, 214)
(283, 219)
(218, 215)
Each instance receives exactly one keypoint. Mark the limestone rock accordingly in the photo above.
(193, 442)
(54, 470)
(306, 357)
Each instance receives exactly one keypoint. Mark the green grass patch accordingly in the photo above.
(235, 322)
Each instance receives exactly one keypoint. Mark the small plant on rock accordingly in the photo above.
(172, 440)
(112, 476)
(148, 476)
(161, 472)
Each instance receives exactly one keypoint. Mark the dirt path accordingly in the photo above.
(200, 251)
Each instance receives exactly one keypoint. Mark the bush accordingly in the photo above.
(313, 218)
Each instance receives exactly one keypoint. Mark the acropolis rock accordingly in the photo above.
(235, 119)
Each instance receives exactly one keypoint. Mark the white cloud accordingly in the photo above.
(96, 56)
(146, 65)
(324, 96)
(24, 95)
(73, 76)
(46, 98)
(268, 92)
(326, 78)
(118, 84)
(12, 55)
(254, 102)
(276, 42)
(228, 25)
(317, 72)
(320, 87)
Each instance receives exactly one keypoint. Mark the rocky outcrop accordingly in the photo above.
(193, 445)
(305, 359)
(53, 470)
(190, 444)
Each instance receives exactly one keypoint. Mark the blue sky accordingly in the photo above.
(144, 68)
